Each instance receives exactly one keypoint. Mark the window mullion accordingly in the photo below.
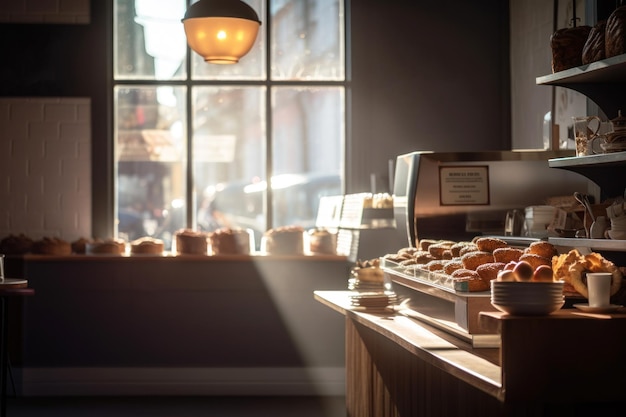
(269, 171)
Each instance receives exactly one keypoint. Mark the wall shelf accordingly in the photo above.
(604, 82)
(603, 169)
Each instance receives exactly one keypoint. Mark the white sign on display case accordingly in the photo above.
(464, 185)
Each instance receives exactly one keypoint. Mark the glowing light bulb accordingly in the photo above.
(221, 35)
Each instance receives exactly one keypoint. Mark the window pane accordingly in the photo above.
(307, 40)
(250, 67)
(149, 39)
(307, 148)
(150, 157)
(229, 157)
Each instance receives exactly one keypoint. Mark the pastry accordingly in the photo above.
(438, 250)
(473, 260)
(146, 246)
(321, 241)
(227, 241)
(452, 266)
(190, 242)
(535, 260)
(489, 244)
(285, 240)
(16, 244)
(107, 247)
(542, 248)
(79, 246)
(572, 268)
(51, 246)
(507, 255)
(489, 271)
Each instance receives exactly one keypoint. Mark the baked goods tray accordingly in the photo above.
(434, 283)
(431, 297)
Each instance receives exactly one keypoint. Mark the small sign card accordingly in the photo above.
(464, 185)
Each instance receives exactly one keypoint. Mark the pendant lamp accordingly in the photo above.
(221, 31)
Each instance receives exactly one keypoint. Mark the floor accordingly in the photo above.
(177, 407)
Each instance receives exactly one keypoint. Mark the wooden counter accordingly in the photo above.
(569, 362)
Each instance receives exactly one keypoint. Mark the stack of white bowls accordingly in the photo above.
(527, 298)
(538, 218)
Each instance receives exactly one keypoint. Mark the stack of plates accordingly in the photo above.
(374, 300)
(356, 284)
(527, 298)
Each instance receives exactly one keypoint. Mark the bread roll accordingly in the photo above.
(615, 33)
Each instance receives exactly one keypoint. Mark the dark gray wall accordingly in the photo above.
(426, 75)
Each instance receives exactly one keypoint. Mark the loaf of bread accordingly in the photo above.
(594, 49)
(567, 47)
(615, 33)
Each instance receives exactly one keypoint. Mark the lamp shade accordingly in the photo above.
(221, 31)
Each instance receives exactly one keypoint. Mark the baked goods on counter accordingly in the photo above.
(109, 246)
(79, 246)
(367, 276)
(322, 241)
(227, 241)
(470, 266)
(378, 201)
(51, 246)
(147, 246)
(191, 242)
(16, 244)
(567, 47)
(284, 240)
(572, 267)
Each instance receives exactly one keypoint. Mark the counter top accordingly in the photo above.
(475, 366)
(568, 356)
(168, 256)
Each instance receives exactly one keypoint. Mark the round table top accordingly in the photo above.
(6, 283)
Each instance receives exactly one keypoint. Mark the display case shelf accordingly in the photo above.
(591, 244)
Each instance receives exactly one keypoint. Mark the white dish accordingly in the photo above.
(529, 309)
(588, 309)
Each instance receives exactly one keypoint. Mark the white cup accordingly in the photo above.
(599, 286)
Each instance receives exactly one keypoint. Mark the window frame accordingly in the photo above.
(108, 227)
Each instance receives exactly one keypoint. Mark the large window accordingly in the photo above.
(196, 144)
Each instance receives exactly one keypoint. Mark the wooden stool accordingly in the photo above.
(9, 287)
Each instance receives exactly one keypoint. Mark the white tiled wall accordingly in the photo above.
(45, 167)
(44, 11)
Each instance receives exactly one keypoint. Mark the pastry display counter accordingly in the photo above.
(569, 363)
(431, 297)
